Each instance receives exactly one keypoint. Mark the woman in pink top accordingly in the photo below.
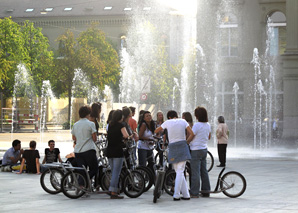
(222, 134)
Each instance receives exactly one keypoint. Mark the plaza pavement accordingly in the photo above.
(271, 175)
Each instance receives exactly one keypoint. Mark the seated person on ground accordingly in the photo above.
(52, 154)
(12, 156)
(71, 156)
(31, 157)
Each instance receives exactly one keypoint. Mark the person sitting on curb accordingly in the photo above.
(12, 156)
(31, 157)
(52, 154)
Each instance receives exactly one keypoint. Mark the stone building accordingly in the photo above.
(229, 31)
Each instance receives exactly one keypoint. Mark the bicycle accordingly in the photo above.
(131, 181)
(161, 171)
(232, 183)
(50, 179)
(70, 185)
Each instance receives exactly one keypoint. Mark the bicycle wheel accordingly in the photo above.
(133, 184)
(50, 180)
(169, 182)
(71, 187)
(157, 188)
(210, 161)
(105, 180)
(233, 184)
(149, 179)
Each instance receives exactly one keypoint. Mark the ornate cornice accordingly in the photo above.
(68, 21)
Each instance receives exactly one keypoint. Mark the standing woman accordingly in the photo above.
(109, 119)
(187, 116)
(159, 119)
(198, 147)
(146, 141)
(115, 154)
(159, 122)
(222, 134)
(178, 150)
(127, 115)
(95, 114)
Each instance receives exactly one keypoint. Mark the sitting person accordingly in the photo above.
(31, 157)
(12, 156)
(52, 154)
(71, 157)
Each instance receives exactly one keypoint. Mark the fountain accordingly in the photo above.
(23, 87)
(204, 77)
(235, 89)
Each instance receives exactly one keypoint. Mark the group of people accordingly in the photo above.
(15, 158)
(187, 141)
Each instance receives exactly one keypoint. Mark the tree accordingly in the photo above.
(38, 59)
(66, 64)
(97, 58)
(163, 86)
(11, 54)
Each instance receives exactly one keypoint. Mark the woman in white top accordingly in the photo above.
(146, 141)
(222, 134)
(198, 147)
(178, 151)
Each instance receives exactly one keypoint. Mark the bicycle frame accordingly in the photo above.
(218, 182)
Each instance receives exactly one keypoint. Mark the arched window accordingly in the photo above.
(277, 22)
(229, 35)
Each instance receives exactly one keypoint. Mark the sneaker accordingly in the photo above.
(116, 196)
(176, 199)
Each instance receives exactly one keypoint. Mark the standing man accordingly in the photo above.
(84, 134)
(12, 156)
(52, 154)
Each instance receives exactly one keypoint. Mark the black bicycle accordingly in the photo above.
(161, 171)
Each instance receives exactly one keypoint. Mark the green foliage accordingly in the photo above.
(97, 58)
(11, 53)
(66, 63)
(38, 59)
(23, 44)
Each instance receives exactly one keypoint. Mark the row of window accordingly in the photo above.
(50, 9)
(229, 35)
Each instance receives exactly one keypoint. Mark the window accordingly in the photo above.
(107, 8)
(276, 29)
(29, 10)
(226, 99)
(229, 36)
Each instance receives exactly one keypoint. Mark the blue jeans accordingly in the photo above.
(116, 166)
(145, 156)
(199, 171)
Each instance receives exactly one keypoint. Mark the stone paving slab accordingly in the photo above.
(271, 187)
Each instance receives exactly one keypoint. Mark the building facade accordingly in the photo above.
(230, 32)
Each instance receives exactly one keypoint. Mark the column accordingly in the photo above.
(290, 74)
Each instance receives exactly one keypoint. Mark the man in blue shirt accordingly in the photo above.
(12, 156)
